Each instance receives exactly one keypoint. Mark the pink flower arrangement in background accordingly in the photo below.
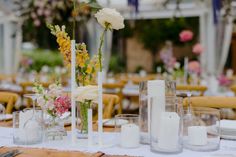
(197, 49)
(194, 67)
(186, 35)
(26, 62)
(224, 81)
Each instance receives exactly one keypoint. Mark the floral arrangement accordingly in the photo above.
(26, 62)
(194, 67)
(224, 81)
(197, 49)
(53, 101)
(86, 66)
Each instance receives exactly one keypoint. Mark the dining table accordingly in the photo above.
(227, 148)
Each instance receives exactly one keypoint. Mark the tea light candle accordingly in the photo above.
(169, 130)
(130, 135)
(197, 135)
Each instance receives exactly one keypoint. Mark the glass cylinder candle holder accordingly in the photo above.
(202, 129)
(127, 126)
(166, 125)
(28, 127)
(143, 113)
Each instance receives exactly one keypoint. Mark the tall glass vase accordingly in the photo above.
(82, 118)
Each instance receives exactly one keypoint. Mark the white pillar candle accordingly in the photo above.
(169, 130)
(90, 127)
(156, 91)
(130, 135)
(197, 135)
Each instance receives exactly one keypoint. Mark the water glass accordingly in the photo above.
(27, 127)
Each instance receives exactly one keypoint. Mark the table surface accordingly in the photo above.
(29, 152)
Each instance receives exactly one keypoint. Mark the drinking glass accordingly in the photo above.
(28, 130)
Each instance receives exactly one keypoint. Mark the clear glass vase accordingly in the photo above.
(143, 112)
(82, 118)
(166, 125)
(54, 128)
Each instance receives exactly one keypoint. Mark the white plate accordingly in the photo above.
(228, 125)
(212, 130)
(6, 117)
(112, 122)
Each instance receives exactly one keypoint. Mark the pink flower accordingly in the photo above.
(186, 35)
(197, 49)
(194, 67)
(62, 104)
(47, 12)
(33, 15)
(224, 81)
(37, 22)
(40, 12)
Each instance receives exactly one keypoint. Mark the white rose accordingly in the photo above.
(86, 93)
(110, 16)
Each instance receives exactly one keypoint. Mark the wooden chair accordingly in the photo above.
(233, 88)
(118, 87)
(109, 101)
(196, 88)
(225, 104)
(212, 101)
(9, 99)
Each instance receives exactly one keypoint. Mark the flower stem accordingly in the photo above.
(74, 18)
(100, 49)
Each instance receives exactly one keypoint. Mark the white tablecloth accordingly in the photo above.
(227, 149)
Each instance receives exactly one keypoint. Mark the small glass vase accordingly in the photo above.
(82, 118)
(54, 127)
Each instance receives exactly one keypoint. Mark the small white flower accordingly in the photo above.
(177, 65)
(86, 93)
(111, 17)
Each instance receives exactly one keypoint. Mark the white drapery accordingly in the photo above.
(223, 40)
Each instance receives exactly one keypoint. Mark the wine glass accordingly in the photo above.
(2, 112)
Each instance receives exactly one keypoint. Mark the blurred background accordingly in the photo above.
(192, 42)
